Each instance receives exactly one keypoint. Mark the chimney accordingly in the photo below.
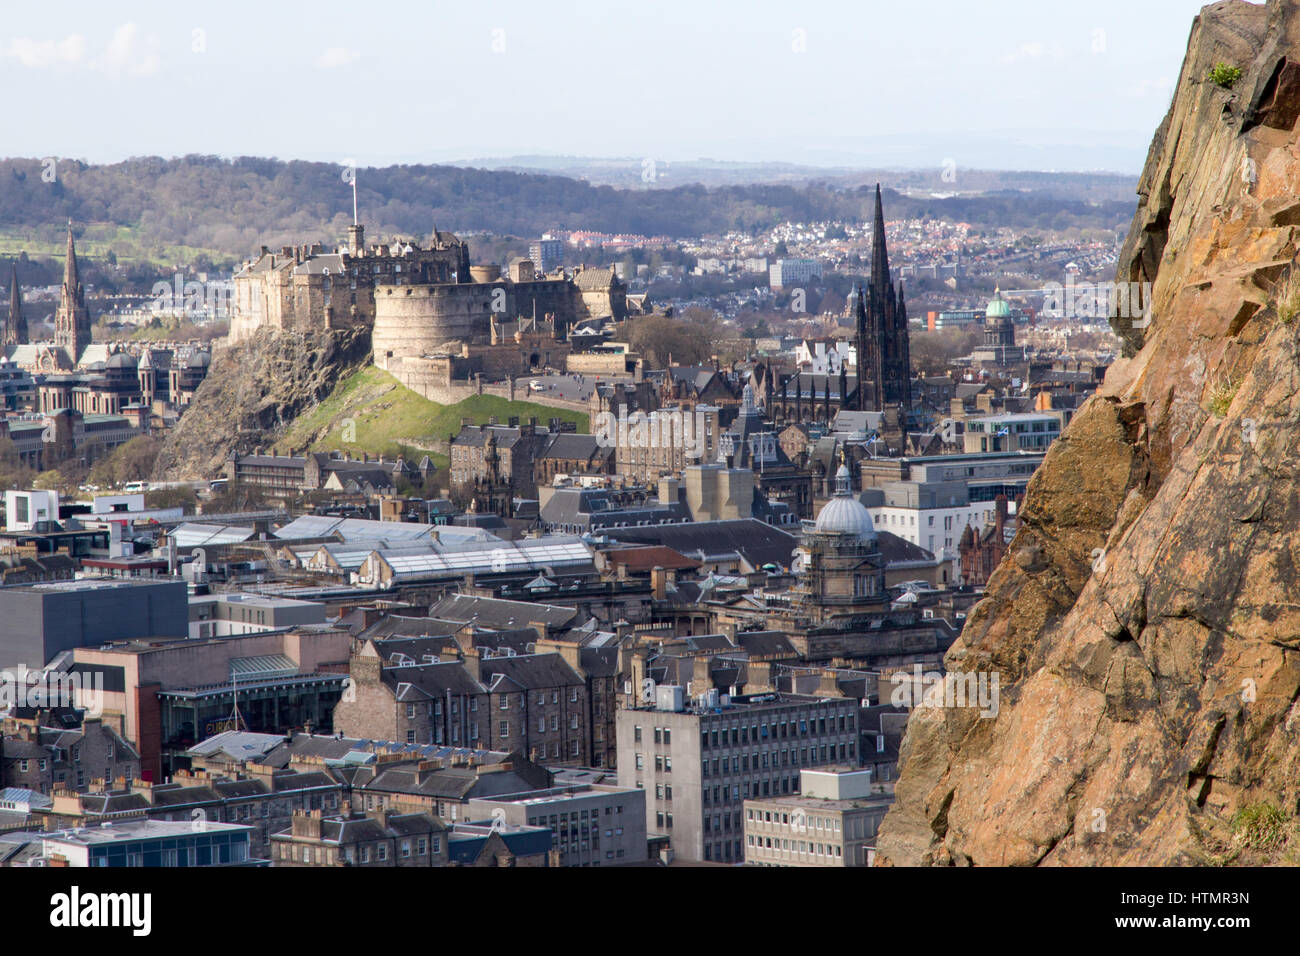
(659, 583)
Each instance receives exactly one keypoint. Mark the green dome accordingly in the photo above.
(998, 308)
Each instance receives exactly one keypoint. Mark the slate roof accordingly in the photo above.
(570, 445)
(896, 550)
(428, 681)
(759, 543)
(529, 671)
(594, 280)
(500, 614)
(650, 557)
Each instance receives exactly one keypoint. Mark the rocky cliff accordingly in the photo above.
(1146, 622)
(253, 391)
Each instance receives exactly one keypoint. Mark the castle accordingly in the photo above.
(432, 315)
(305, 288)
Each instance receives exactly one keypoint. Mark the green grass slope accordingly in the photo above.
(370, 411)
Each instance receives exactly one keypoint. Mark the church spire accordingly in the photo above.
(71, 281)
(879, 252)
(72, 318)
(15, 329)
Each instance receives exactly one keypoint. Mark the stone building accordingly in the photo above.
(980, 552)
(839, 559)
(534, 704)
(305, 287)
(884, 352)
(496, 456)
(379, 839)
(567, 453)
(72, 346)
(37, 757)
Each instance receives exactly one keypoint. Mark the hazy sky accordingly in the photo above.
(1029, 84)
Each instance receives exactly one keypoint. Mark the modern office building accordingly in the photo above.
(594, 825)
(699, 760)
(832, 822)
(43, 620)
(132, 843)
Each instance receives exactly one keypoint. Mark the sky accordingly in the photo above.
(1000, 84)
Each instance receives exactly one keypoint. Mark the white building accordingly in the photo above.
(825, 356)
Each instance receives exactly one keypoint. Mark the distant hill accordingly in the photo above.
(630, 173)
(177, 209)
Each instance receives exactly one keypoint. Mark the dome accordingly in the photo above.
(844, 514)
(998, 308)
(120, 360)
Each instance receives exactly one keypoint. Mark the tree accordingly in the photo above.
(180, 496)
(656, 337)
(14, 475)
(131, 461)
(933, 352)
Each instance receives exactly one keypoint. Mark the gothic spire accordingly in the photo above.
(71, 281)
(15, 331)
(879, 253)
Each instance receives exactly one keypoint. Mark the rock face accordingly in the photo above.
(1145, 624)
(253, 390)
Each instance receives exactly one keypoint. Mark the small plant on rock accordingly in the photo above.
(1260, 826)
(1221, 397)
(1288, 297)
(1223, 75)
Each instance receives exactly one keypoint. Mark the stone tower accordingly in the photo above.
(884, 353)
(72, 319)
(15, 327)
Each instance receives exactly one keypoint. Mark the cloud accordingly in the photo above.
(43, 54)
(127, 52)
(1034, 50)
(336, 56)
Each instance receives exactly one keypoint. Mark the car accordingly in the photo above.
(535, 386)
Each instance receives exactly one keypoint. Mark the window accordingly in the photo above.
(505, 728)
(505, 701)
